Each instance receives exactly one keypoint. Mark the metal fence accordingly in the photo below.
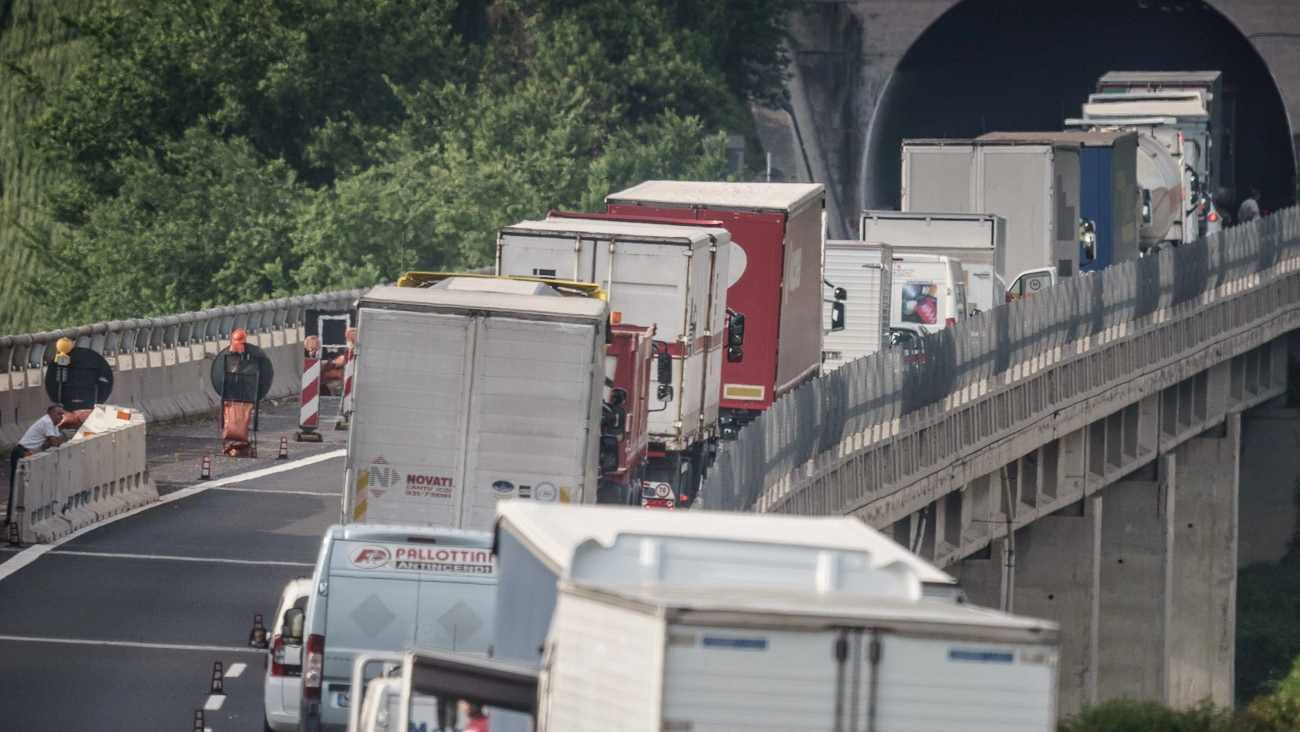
(881, 389)
(120, 337)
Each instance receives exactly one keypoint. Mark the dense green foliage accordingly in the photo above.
(214, 151)
(1126, 715)
(36, 53)
(1268, 622)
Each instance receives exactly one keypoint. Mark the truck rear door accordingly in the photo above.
(408, 427)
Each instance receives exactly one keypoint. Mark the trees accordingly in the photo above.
(215, 151)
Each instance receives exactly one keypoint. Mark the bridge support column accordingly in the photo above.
(1270, 465)
(1137, 545)
(983, 575)
(1204, 599)
(1057, 576)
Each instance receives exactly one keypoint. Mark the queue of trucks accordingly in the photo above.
(610, 356)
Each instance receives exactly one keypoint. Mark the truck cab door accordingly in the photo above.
(1031, 283)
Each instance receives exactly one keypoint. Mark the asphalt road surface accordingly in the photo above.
(118, 627)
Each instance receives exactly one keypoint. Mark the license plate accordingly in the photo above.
(658, 503)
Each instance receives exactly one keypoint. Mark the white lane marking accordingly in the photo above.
(31, 554)
(130, 644)
(115, 555)
(334, 494)
(235, 670)
(214, 702)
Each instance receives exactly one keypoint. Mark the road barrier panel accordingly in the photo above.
(100, 472)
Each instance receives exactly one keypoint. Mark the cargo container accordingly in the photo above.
(865, 271)
(774, 277)
(470, 391)
(672, 278)
(1033, 185)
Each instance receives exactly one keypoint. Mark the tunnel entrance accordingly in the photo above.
(1020, 65)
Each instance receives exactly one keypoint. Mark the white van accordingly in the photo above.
(384, 588)
(928, 289)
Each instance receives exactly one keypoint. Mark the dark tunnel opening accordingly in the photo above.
(1018, 65)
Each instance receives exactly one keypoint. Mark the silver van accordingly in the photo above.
(383, 588)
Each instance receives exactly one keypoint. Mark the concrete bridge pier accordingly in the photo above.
(1140, 575)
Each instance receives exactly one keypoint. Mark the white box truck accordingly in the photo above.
(865, 271)
(710, 659)
(471, 391)
(972, 238)
(538, 546)
(668, 276)
(1034, 186)
(380, 589)
(927, 289)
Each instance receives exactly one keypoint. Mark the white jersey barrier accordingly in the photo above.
(99, 473)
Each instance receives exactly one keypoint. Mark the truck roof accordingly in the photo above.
(976, 142)
(553, 533)
(1083, 138)
(785, 197)
(1154, 104)
(923, 216)
(399, 534)
(798, 609)
(483, 296)
(1159, 77)
(624, 230)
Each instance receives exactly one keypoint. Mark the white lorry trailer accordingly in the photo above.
(865, 271)
(711, 659)
(972, 238)
(1034, 186)
(538, 546)
(471, 391)
(668, 276)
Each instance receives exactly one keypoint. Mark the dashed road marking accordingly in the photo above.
(235, 670)
(214, 560)
(130, 644)
(214, 702)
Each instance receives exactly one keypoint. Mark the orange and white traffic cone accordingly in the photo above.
(284, 449)
(218, 678)
(205, 472)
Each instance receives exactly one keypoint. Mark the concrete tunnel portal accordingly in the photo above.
(1020, 65)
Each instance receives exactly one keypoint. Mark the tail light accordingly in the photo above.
(312, 667)
(277, 657)
(1213, 216)
(949, 322)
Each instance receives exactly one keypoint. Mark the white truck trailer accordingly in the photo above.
(972, 238)
(668, 276)
(708, 659)
(471, 391)
(865, 271)
(1034, 186)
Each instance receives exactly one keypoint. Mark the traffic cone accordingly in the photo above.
(284, 449)
(206, 471)
(218, 679)
(198, 721)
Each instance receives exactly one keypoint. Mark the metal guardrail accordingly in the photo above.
(873, 395)
(119, 337)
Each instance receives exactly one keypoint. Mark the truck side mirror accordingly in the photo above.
(736, 330)
(841, 293)
(837, 317)
(608, 453)
(735, 354)
(1087, 241)
(665, 393)
(664, 368)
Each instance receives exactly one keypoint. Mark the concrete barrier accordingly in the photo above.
(161, 366)
(99, 473)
